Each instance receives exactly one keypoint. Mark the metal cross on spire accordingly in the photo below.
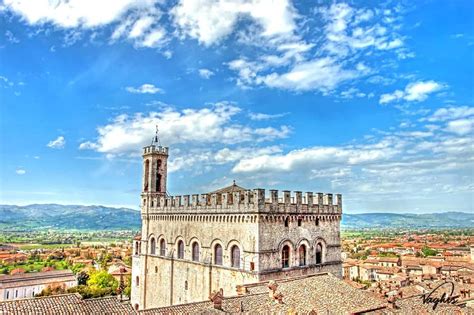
(156, 140)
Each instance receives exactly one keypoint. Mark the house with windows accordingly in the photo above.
(26, 285)
(192, 245)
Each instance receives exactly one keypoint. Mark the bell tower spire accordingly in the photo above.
(155, 168)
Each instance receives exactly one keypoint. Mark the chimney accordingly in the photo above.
(217, 297)
(272, 286)
(241, 290)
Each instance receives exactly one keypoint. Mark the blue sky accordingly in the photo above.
(370, 99)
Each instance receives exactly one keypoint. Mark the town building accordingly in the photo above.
(25, 285)
(193, 245)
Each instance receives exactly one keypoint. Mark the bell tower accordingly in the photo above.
(155, 166)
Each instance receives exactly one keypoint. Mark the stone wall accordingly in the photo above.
(173, 281)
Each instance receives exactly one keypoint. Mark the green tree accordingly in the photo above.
(128, 285)
(429, 251)
(76, 268)
(102, 279)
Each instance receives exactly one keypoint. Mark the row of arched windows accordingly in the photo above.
(195, 250)
(302, 255)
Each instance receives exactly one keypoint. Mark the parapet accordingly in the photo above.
(249, 201)
(155, 149)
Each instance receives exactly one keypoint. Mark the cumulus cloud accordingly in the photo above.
(205, 73)
(57, 143)
(443, 114)
(75, 13)
(210, 21)
(351, 36)
(20, 171)
(419, 160)
(460, 126)
(144, 89)
(213, 125)
(417, 91)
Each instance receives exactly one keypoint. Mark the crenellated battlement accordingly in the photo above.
(256, 200)
(155, 149)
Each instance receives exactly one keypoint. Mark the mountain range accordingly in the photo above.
(55, 216)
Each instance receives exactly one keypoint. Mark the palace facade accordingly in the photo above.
(192, 245)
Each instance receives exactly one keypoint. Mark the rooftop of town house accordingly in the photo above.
(70, 304)
(32, 278)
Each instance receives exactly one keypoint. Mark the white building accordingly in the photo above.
(26, 285)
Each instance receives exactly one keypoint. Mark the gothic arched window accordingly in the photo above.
(302, 255)
(235, 256)
(147, 173)
(218, 254)
(162, 247)
(152, 246)
(285, 257)
(319, 253)
(180, 249)
(195, 255)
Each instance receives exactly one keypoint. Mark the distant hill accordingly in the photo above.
(54, 216)
(408, 220)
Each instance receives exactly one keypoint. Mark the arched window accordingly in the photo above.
(137, 281)
(195, 251)
(136, 248)
(287, 222)
(147, 172)
(162, 247)
(8, 295)
(152, 246)
(302, 255)
(319, 253)
(317, 222)
(285, 257)
(235, 254)
(180, 249)
(299, 222)
(136, 307)
(158, 176)
(218, 254)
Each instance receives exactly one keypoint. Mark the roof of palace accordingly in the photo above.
(321, 293)
(229, 189)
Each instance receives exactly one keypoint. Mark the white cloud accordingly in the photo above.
(20, 171)
(140, 26)
(443, 114)
(262, 116)
(210, 21)
(193, 127)
(144, 89)
(11, 38)
(417, 91)
(154, 39)
(313, 158)
(320, 74)
(75, 13)
(461, 126)
(57, 143)
(346, 31)
(205, 73)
